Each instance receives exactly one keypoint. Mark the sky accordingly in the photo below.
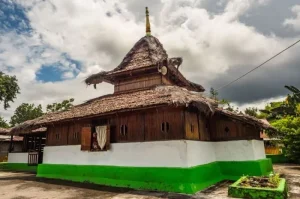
(51, 46)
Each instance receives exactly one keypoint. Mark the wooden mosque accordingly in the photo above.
(156, 131)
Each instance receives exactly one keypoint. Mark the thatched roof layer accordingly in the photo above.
(161, 95)
(114, 103)
(245, 118)
(7, 138)
(148, 53)
(4, 131)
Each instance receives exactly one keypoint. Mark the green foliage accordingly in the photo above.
(223, 102)
(289, 133)
(291, 106)
(29, 111)
(63, 106)
(213, 94)
(285, 117)
(9, 89)
(252, 111)
(274, 179)
(3, 123)
(26, 112)
(254, 181)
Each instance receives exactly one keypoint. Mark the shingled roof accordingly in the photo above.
(160, 95)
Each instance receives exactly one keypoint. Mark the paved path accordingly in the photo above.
(27, 186)
(292, 174)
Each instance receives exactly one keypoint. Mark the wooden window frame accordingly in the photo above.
(75, 135)
(227, 130)
(123, 130)
(192, 126)
(57, 136)
(165, 127)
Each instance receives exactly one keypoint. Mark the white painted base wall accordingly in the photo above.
(17, 158)
(179, 153)
(240, 150)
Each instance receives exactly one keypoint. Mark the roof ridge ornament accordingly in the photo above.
(148, 29)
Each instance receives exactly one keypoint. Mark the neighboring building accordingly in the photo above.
(6, 146)
(156, 131)
(32, 147)
(272, 145)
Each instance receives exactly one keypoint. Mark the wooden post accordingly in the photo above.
(198, 122)
(34, 142)
(11, 143)
(30, 142)
(40, 143)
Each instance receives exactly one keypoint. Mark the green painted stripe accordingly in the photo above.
(234, 170)
(280, 158)
(182, 180)
(18, 167)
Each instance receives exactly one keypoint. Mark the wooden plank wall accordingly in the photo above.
(166, 81)
(191, 126)
(237, 129)
(135, 127)
(154, 120)
(204, 128)
(69, 133)
(146, 126)
(138, 83)
(141, 126)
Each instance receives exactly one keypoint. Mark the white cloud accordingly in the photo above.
(259, 104)
(99, 33)
(68, 75)
(294, 22)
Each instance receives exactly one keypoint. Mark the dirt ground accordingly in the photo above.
(27, 186)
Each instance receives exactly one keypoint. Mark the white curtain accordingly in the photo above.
(101, 136)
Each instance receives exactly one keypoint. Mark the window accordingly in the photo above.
(57, 136)
(165, 127)
(206, 125)
(192, 128)
(75, 135)
(123, 130)
(226, 130)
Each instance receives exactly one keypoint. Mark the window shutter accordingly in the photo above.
(86, 138)
(108, 137)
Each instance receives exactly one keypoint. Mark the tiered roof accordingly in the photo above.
(148, 52)
(109, 104)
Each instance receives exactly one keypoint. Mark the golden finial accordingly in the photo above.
(148, 30)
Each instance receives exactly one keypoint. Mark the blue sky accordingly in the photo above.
(53, 45)
(14, 19)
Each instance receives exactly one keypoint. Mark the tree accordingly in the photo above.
(26, 112)
(252, 111)
(3, 123)
(223, 102)
(214, 94)
(289, 134)
(278, 110)
(63, 106)
(9, 89)
(284, 116)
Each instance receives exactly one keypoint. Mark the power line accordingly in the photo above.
(258, 66)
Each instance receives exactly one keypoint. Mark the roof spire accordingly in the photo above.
(148, 30)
